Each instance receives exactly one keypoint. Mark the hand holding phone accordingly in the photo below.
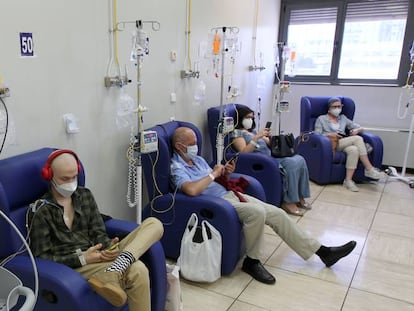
(113, 246)
(234, 158)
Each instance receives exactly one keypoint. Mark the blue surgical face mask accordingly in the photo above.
(192, 151)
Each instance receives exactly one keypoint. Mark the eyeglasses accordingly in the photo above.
(340, 106)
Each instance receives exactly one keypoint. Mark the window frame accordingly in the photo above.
(288, 5)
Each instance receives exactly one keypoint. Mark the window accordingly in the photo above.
(347, 41)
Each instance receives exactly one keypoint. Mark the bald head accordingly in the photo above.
(184, 135)
(182, 138)
(64, 167)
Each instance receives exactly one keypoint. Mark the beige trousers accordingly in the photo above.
(135, 281)
(354, 147)
(254, 214)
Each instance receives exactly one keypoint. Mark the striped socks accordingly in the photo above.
(121, 263)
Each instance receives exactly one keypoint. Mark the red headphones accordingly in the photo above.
(47, 172)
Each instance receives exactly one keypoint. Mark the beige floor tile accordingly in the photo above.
(241, 306)
(293, 291)
(230, 285)
(393, 223)
(390, 248)
(199, 299)
(331, 234)
(367, 197)
(357, 300)
(386, 279)
(346, 216)
(340, 273)
(399, 189)
(393, 203)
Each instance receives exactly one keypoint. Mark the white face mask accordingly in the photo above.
(67, 189)
(192, 151)
(335, 111)
(247, 123)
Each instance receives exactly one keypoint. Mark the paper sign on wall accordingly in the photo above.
(26, 44)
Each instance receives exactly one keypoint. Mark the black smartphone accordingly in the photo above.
(268, 124)
(234, 157)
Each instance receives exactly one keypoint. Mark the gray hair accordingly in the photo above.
(333, 100)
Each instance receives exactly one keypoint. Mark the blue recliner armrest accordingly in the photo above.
(317, 151)
(154, 259)
(263, 168)
(61, 288)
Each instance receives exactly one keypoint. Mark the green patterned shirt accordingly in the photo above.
(51, 239)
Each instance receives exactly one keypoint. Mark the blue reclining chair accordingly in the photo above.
(324, 166)
(60, 287)
(262, 167)
(174, 208)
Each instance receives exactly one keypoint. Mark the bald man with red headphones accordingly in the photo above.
(66, 227)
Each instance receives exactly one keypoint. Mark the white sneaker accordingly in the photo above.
(350, 185)
(374, 173)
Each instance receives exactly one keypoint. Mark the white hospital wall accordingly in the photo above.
(72, 51)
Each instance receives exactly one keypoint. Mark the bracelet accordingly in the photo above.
(253, 143)
(211, 176)
(81, 257)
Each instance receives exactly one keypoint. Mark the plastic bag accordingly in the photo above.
(200, 254)
(173, 301)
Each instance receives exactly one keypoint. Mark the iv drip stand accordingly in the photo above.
(391, 171)
(220, 134)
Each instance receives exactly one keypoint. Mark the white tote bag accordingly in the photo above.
(173, 301)
(200, 254)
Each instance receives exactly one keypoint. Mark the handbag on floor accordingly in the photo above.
(282, 145)
(200, 253)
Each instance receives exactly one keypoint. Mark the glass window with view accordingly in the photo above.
(345, 40)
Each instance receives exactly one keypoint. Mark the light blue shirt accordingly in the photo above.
(324, 126)
(181, 172)
(261, 146)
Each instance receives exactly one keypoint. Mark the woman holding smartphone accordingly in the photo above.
(295, 172)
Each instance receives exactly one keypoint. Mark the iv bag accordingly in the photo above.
(125, 110)
(200, 92)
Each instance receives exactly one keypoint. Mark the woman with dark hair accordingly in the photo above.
(294, 170)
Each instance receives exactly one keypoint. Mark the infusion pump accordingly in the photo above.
(149, 142)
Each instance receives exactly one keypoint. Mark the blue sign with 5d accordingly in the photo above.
(26, 44)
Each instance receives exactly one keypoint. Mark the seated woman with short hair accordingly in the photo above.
(345, 132)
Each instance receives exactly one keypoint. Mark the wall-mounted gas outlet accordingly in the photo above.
(4, 91)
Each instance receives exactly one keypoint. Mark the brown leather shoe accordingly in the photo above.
(107, 285)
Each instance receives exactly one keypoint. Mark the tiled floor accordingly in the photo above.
(377, 275)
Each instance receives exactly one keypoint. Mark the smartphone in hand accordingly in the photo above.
(268, 124)
(233, 158)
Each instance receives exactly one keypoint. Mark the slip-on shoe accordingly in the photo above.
(258, 272)
(107, 285)
(338, 252)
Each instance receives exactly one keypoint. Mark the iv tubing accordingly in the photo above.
(36, 273)
(187, 60)
(254, 37)
(113, 42)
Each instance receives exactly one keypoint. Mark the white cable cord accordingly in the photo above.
(36, 274)
(132, 174)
